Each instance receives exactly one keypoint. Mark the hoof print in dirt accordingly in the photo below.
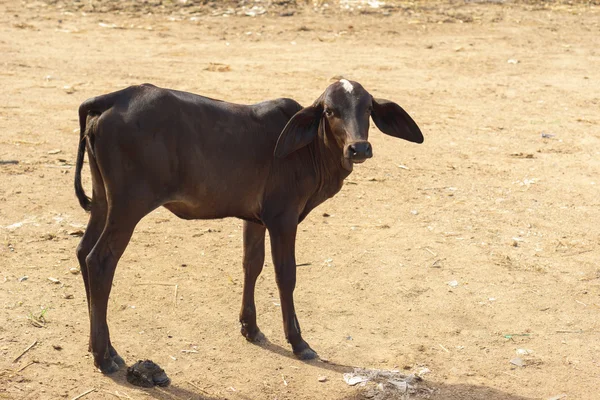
(147, 374)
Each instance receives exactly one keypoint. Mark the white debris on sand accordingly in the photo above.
(351, 4)
(385, 384)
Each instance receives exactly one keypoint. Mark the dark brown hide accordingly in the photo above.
(269, 164)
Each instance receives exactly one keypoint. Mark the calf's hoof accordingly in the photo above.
(108, 366)
(116, 357)
(252, 335)
(306, 353)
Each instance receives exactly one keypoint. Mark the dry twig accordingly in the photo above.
(25, 351)
(117, 394)
(154, 283)
(198, 387)
(26, 365)
(431, 251)
(84, 394)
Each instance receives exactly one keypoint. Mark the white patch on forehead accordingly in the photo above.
(347, 85)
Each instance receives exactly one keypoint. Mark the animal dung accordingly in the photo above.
(147, 374)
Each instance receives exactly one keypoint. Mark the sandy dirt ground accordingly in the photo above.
(447, 260)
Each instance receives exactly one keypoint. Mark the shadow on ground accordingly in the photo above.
(319, 363)
(173, 391)
(441, 391)
(427, 390)
(193, 391)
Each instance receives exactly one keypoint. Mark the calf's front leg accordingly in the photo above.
(283, 247)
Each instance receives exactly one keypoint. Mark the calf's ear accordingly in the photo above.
(392, 120)
(299, 131)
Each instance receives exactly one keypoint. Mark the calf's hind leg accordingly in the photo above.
(101, 264)
(92, 233)
(90, 238)
(254, 258)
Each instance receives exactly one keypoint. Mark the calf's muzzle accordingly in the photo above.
(359, 151)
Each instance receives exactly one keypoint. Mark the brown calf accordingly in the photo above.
(269, 164)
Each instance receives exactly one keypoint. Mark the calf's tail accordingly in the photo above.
(94, 106)
(84, 200)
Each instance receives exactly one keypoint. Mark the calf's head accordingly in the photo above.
(340, 118)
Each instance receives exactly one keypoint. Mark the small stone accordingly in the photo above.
(558, 397)
(523, 352)
(74, 270)
(322, 379)
(518, 362)
(67, 296)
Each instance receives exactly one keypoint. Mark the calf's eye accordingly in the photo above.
(328, 112)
